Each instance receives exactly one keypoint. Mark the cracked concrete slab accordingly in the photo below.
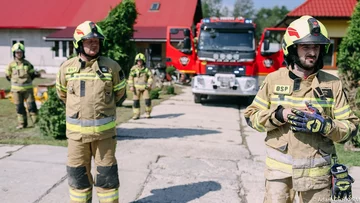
(27, 181)
(161, 131)
(41, 154)
(7, 150)
(191, 180)
(180, 148)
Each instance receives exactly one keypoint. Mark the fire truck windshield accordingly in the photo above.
(226, 40)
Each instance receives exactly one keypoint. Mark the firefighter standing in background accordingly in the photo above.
(300, 136)
(90, 85)
(21, 73)
(140, 82)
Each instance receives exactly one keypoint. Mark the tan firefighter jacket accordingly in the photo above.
(304, 157)
(140, 77)
(90, 91)
(20, 72)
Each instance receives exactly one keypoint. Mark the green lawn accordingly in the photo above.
(349, 158)
(31, 135)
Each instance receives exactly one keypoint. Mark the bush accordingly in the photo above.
(349, 66)
(52, 121)
(170, 70)
(155, 93)
(170, 89)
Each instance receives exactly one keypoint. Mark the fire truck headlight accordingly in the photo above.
(268, 63)
(216, 56)
(200, 81)
(222, 56)
(228, 56)
(236, 56)
(250, 84)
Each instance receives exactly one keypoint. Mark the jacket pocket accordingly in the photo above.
(276, 140)
(23, 72)
(108, 93)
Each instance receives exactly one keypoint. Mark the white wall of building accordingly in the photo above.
(37, 50)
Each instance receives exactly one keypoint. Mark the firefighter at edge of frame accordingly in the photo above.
(303, 110)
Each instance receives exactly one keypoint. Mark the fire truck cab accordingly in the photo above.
(222, 58)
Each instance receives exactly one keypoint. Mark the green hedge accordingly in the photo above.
(52, 121)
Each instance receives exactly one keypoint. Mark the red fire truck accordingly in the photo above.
(223, 58)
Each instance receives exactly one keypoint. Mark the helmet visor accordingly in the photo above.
(313, 39)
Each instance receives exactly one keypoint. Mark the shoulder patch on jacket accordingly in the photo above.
(71, 69)
(282, 89)
(104, 69)
(327, 92)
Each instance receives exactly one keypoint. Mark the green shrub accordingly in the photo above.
(170, 70)
(349, 66)
(155, 93)
(170, 89)
(52, 119)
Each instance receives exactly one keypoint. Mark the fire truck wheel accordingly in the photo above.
(197, 98)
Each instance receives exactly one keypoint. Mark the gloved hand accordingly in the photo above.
(8, 78)
(309, 122)
(341, 182)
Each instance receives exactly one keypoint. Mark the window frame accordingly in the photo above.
(335, 41)
(155, 6)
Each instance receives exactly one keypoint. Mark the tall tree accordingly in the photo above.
(269, 17)
(118, 28)
(349, 66)
(211, 8)
(244, 8)
(225, 11)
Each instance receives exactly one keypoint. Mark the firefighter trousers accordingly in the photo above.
(136, 105)
(106, 173)
(280, 191)
(19, 98)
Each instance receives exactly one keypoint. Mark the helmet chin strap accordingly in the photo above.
(82, 51)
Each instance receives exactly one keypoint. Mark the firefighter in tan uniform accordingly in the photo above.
(21, 73)
(140, 82)
(90, 85)
(300, 136)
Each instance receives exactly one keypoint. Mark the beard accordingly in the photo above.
(308, 64)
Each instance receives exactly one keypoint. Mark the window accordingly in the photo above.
(330, 58)
(56, 48)
(156, 50)
(16, 41)
(71, 48)
(63, 49)
(155, 6)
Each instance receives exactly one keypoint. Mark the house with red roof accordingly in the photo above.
(334, 14)
(46, 27)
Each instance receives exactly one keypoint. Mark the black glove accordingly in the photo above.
(341, 182)
(307, 122)
(8, 78)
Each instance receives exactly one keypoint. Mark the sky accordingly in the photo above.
(290, 4)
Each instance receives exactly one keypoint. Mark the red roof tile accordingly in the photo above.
(325, 8)
(70, 13)
(143, 33)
